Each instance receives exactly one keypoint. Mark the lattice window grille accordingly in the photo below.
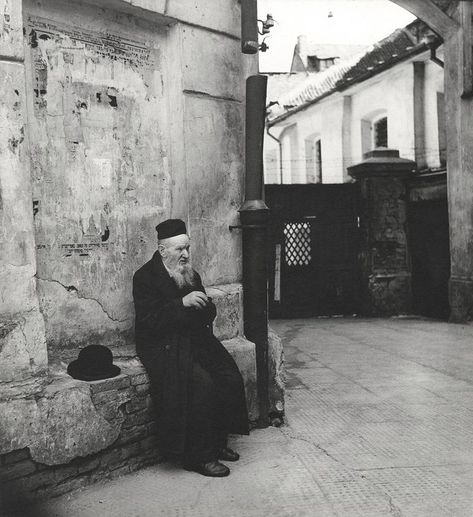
(298, 244)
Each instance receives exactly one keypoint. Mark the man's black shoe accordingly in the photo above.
(226, 454)
(212, 469)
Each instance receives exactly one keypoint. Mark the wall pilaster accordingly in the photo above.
(23, 354)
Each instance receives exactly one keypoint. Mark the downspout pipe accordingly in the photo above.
(433, 42)
(280, 154)
(249, 27)
(254, 218)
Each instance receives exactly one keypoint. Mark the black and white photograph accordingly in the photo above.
(236, 258)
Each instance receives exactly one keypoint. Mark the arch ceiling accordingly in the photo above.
(433, 13)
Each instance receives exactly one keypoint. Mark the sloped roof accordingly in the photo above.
(389, 50)
(399, 45)
(313, 87)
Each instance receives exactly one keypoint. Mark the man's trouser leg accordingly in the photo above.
(228, 385)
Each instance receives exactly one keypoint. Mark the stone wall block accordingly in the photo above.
(215, 185)
(220, 15)
(208, 72)
(138, 404)
(141, 378)
(155, 6)
(61, 435)
(22, 347)
(144, 416)
(134, 433)
(18, 424)
(229, 303)
(244, 354)
(114, 383)
(142, 389)
(11, 35)
(109, 404)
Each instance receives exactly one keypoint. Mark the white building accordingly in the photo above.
(388, 96)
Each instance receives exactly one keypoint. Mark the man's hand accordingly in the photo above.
(196, 299)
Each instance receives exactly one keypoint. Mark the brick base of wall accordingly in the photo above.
(122, 437)
(134, 448)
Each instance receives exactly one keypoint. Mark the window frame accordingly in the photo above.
(314, 159)
(374, 130)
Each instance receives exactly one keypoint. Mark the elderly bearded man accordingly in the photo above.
(196, 386)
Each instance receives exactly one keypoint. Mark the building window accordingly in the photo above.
(319, 65)
(298, 244)
(380, 132)
(313, 156)
(374, 131)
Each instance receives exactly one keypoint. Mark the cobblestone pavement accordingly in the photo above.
(380, 422)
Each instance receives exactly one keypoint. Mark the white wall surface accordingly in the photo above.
(391, 93)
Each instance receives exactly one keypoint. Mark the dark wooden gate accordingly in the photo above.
(430, 257)
(313, 250)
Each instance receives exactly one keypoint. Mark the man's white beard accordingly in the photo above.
(184, 276)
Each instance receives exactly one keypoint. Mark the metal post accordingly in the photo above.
(249, 27)
(254, 216)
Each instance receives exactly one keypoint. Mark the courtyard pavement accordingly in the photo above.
(379, 422)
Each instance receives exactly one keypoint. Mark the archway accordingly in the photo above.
(432, 14)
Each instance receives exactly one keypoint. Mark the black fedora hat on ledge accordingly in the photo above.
(94, 363)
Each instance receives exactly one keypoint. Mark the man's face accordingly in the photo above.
(175, 252)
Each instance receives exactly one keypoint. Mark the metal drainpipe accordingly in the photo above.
(254, 217)
(280, 154)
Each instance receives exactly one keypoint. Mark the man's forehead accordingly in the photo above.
(177, 240)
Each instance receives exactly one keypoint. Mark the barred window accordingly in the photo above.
(380, 132)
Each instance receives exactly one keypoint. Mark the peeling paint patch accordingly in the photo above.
(105, 235)
(100, 144)
(113, 100)
(6, 25)
(105, 45)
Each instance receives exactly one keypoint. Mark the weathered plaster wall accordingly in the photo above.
(98, 140)
(23, 358)
(392, 92)
(128, 125)
(114, 123)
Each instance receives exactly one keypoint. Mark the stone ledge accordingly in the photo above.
(60, 453)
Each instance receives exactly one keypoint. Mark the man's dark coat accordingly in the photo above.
(166, 334)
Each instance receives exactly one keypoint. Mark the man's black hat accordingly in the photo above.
(171, 228)
(95, 362)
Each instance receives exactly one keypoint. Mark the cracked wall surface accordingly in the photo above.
(127, 126)
(110, 122)
(97, 125)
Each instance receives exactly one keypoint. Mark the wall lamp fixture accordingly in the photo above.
(250, 28)
(266, 25)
